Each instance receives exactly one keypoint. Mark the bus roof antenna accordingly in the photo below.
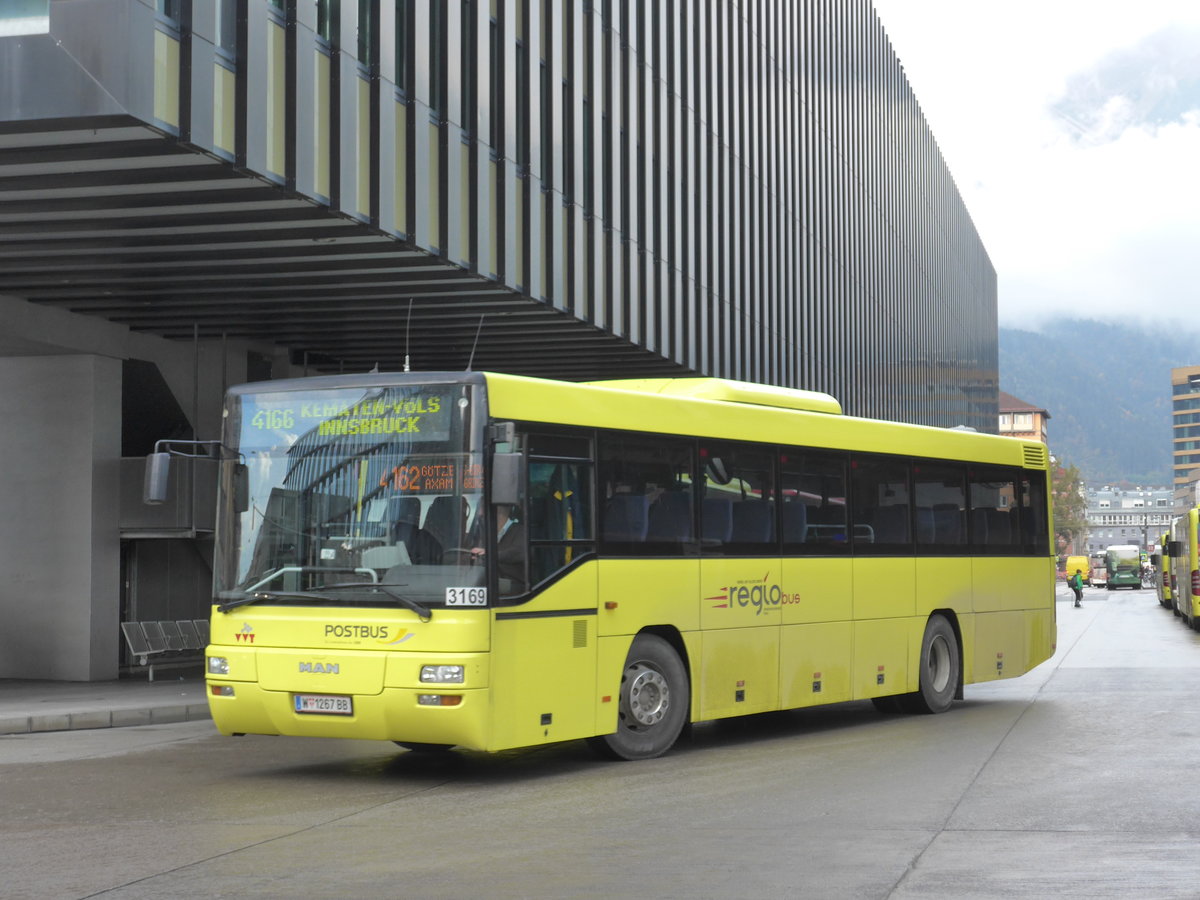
(407, 332)
(478, 328)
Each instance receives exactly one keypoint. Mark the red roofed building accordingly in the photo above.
(1022, 420)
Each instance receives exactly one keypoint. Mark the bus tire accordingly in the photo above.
(941, 669)
(653, 702)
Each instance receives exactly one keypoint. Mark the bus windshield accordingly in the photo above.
(352, 495)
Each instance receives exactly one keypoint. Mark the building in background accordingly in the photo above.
(1185, 436)
(215, 191)
(1023, 420)
(1137, 515)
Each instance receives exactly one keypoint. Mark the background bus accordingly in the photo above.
(1162, 564)
(660, 571)
(1185, 567)
(1097, 569)
(1124, 565)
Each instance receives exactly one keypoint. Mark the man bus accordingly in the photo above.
(1185, 567)
(692, 549)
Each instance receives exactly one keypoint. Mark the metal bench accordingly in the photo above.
(166, 644)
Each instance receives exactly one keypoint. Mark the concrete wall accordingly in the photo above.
(60, 447)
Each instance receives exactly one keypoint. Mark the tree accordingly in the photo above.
(1069, 506)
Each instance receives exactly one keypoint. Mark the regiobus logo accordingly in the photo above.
(761, 594)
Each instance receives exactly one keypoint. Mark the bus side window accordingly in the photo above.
(880, 508)
(941, 500)
(995, 517)
(738, 507)
(559, 505)
(647, 485)
(812, 492)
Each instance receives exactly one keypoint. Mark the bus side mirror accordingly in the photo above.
(1155, 560)
(241, 487)
(508, 478)
(155, 484)
(1175, 548)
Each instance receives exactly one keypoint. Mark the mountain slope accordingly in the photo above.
(1107, 388)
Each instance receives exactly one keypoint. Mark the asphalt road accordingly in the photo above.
(1076, 780)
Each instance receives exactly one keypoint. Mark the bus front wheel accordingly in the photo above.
(653, 702)
(940, 668)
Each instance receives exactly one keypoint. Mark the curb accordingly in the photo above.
(115, 718)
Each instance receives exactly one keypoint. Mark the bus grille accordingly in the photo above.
(580, 633)
(1035, 457)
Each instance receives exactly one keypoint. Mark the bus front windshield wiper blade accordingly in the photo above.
(422, 611)
(234, 599)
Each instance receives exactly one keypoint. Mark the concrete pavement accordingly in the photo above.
(27, 707)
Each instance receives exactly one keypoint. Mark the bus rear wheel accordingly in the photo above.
(941, 665)
(653, 702)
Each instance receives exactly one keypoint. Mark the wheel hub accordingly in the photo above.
(649, 696)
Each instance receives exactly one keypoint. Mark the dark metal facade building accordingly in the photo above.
(195, 193)
(743, 189)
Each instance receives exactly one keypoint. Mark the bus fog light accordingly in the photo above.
(222, 690)
(442, 674)
(218, 665)
(439, 699)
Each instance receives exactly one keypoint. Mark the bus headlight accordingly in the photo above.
(218, 665)
(442, 674)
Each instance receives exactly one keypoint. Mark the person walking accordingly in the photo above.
(1076, 584)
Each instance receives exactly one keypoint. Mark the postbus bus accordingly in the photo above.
(1162, 581)
(683, 550)
(1185, 567)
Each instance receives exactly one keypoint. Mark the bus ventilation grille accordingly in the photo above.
(1035, 457)
(580, 633)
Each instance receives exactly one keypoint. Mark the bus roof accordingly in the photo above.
(732, 410)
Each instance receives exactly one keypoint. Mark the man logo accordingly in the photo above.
(319, 668)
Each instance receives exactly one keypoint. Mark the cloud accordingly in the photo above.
(1073, 132)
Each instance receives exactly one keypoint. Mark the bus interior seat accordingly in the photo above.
(753, 522)
(947, 524)
(926, 532)
(891, 524)
(795, 522)
(979, 525)
(717, 524)
(446, 521)
(625, 517)
(999, 526)
(670, 517)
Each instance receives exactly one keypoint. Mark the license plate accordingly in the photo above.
(323, 704)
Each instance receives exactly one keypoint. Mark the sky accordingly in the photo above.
(1072, 130)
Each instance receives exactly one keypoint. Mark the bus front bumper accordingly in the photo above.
(432, 714)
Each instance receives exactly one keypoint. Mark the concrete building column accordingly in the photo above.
(60, 447)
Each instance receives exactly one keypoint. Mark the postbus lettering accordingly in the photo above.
(374, 632)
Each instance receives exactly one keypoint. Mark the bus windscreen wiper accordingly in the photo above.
(234, 599)
(385, 588)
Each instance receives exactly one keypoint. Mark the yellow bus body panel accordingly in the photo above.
(884, 587)
(817, 589)
(544, 665)
(815, 664)
(648, 592)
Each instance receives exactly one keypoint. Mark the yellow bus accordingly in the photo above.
(490, 561)
(1162, 582)
(1185, 567)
